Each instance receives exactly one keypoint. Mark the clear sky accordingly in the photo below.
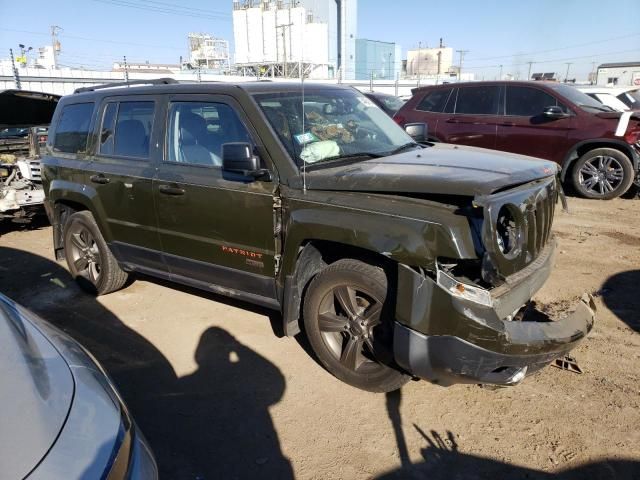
(509, 33)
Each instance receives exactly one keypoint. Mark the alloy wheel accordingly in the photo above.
(85, 254)
(347, 317)
(601, 175)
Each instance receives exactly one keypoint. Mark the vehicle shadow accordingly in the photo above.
(36, 223)
(442, 460)
(213, 423)
(620, 295)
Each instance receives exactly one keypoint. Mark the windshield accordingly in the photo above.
(579, 98)
(338, 123)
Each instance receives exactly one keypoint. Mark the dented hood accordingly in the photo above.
(442, 169)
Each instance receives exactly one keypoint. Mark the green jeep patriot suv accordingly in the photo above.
(397, 259)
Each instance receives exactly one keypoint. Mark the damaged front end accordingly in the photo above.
(472, 321)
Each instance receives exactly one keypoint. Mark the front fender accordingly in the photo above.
(398, 233)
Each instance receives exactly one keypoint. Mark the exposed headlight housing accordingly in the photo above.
(464, 290)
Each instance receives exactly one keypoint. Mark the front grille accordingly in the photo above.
(539, 218)
(517, 227)
(34, 170)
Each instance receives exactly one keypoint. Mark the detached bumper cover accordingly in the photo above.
(449, 340)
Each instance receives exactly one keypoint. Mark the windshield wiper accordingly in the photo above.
(404, 147)
(354, 155)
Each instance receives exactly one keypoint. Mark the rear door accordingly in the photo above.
(216, 228)
(525, 130)
(474, 118)
(127, 153)
(430, 110)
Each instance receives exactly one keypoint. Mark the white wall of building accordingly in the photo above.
(265, 34)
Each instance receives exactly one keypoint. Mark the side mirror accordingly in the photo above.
(238, 157)
(554, 112)
(417, 131)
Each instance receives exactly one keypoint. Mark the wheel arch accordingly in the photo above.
(313, 255)
(66, 199)
(586, 146)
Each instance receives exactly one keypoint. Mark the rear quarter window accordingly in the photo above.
(434, 101)
(480, 100)
(72, 130)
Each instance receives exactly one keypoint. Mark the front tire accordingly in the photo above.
(89, 259)
(603, 174)
(344, 319)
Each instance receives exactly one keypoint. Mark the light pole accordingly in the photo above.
(529, 74)
(418, 69)
(566, 75)
(462, 54)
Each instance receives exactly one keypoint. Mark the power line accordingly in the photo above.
(77, 37)
(556, 60)
(596, 42)
(185, 12)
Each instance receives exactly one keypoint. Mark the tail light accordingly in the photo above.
(400, 120)
(633, 135)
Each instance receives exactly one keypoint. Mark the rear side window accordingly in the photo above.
(72, 130)
(434, 101)
(481, 100)
(132, 129)
(527, 101)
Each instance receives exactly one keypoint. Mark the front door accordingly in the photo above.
(216, 229)
(474, 121)
(122, 172)
(525, 130)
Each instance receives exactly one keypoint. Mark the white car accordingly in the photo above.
(618, 98)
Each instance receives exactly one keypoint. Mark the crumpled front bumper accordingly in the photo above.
(447, 340)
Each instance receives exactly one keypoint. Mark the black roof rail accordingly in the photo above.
(156, 81)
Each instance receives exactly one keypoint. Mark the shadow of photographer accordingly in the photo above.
(442, 460)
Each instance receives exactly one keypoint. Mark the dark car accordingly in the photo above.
(390, 104)
(61, 416)
(598, 149)
(400, 260)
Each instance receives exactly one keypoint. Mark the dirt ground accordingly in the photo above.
(220, 395)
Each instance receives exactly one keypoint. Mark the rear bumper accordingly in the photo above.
(447, 339)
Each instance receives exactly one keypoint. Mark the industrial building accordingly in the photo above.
(623, 74)
(283, 39)
(377, 60)
(208, 52)
(426, 62)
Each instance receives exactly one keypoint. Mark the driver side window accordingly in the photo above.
(197, 130)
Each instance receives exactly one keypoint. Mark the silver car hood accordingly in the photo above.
(36, 392)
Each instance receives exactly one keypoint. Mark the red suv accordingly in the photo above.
(597, 147)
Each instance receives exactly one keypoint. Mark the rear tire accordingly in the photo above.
(603, 174)
(89, 259)
(344, 319)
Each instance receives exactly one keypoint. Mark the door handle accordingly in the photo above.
(169, 190)
(101, 179)
(507, 124)
(453, 120)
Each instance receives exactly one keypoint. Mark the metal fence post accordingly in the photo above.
(16, 75)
